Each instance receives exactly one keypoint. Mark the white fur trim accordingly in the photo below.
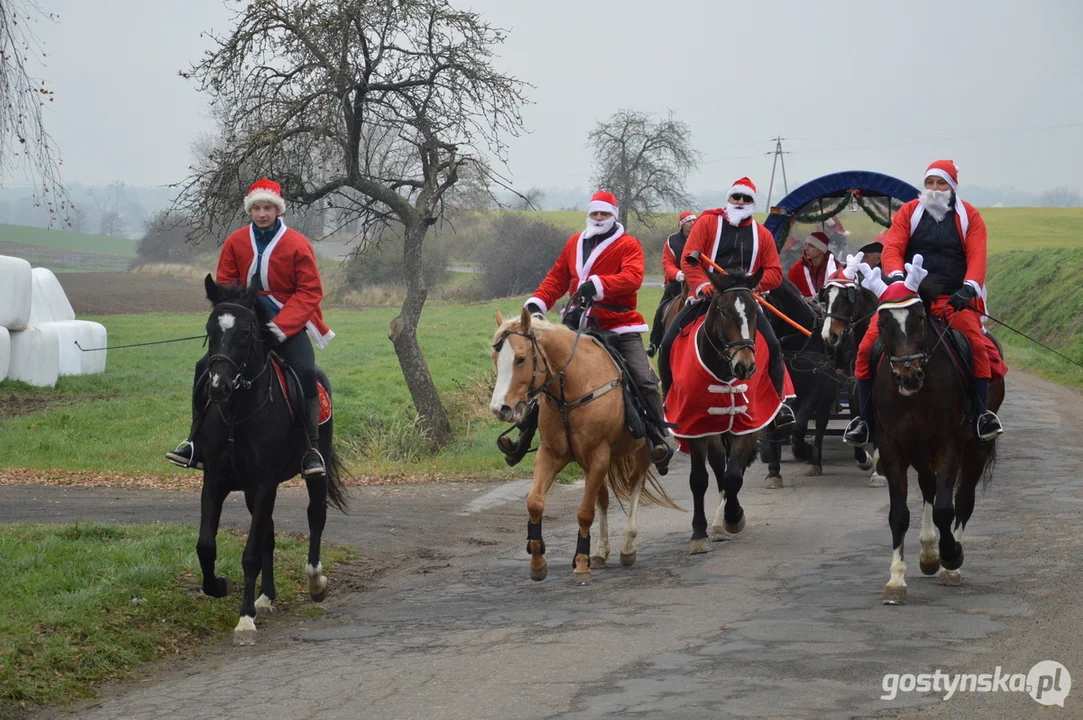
(816, 243)
(602, 206)
(937, 172)
(322, 341)
(699, 290)
(582, 270)
(539, 302)
(265, 265)
(680, 276)
(808, 281)
(743, 190)
(687, 220)
(976, 286)
(640, 328)
(264, 195)
(277, 331)
(598, 285)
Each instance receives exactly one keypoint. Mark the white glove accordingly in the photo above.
(871, 280)
(680, 276)
(915, 273)
(277, 332)
(853, 264)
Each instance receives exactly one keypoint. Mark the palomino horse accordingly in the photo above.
(581, 419)
(848, 311)
(251, 443)
(920, 409)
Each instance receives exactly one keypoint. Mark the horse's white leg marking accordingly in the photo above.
(957, 533)
(898, 570)
(264, 606)
(226, 321)
(317, 581)
(718, 529)
(832, 293)
(245, 632)
(505, 369)
(928, 534)
(631, 530)
(739, 306)
(603, 532)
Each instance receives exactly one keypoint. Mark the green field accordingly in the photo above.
(84, 603)
(64, 240)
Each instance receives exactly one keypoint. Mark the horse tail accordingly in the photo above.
(625, 473)
(336, 488)
(990, 465)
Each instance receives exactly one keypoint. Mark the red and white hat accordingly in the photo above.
(945, 169)
(744, 186)
(686, 217)
(603, 201)
(897, 295)
(818, 240)
(265, 190)
(839, 278)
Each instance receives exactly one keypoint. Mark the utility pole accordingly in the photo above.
(779, 158)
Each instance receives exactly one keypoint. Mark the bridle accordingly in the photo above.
(852, 320)
(240, 381)
(730, 349)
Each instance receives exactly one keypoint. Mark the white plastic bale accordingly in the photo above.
(5, 352)
(74, 361)
(49, 302)
(16, 290)
(35, 356)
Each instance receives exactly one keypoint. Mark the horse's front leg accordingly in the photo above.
(317, 519)
(951, 550)
(741, 448)
(263, 505)
(596, 471)
(815, 466)
(898, 518)
(265, 601)
(774, 462)
(698, 482)
(716, 458)
(598, 558)
(210, 513)
(546, 466)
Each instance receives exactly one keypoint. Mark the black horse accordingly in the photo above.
(920, 408)
(251, 443)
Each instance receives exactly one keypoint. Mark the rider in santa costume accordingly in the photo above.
(672, 250)
(735, 241)
(950, 235)
(606, 265)
(814, 267)
(279, 261)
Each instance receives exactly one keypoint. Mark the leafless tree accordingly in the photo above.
(532, 199)
(1063, 196)
(112, 224)
(373, 107)
(25, 145)
(643, 162)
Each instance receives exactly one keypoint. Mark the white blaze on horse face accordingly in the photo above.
(215, 379)
(832, 293)
(739, 305)
(226, 321)
(505, 371)
(900, 315)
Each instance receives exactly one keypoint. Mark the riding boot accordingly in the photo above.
(859, 431)
(988, 424)
(661, 451)
(777, 370)
(515, 450)
(312, 463)
(185, 454)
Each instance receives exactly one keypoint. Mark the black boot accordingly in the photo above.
(515, 450)
(859, 431)
(185, 455)
(661, 451)
(777, 369)
(312, 463)
(988, 424)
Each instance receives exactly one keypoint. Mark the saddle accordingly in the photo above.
(291, 388)
(637, 413)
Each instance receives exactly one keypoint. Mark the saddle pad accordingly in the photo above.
(701, 404)
(324, 396)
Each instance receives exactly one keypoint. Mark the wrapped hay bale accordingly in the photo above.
(74, 361)
(5, 352)
(49, 302)
(16, 288)
(35, 356)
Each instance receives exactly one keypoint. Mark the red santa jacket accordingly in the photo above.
(290, 278)
(810, 280)
(671, 265)
(616, 267)
(971, 229)
(705, 236)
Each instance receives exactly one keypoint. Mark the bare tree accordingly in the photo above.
(532, 199)
(112, 224)
(643, 162)
(24, 143)
(374, 107)
(1063, 196)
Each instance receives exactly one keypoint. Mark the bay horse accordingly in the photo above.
(251, 443)
(920, 409)
(582, 420)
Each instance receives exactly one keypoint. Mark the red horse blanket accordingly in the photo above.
(701, 404)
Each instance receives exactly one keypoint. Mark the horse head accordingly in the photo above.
(235, 341)
(519, 361)
(845, 303)
(730, 326)
(901, 317)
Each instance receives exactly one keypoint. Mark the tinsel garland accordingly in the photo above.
(812, 218)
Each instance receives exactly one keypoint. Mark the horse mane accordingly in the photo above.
(535, 324)
(731, 280)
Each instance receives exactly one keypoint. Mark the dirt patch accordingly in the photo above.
(116, 293)
(16, 403)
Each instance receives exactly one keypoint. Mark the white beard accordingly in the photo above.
(737, 214)
(598, 227)
(936, 202)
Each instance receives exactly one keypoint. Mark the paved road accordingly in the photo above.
(783, 621)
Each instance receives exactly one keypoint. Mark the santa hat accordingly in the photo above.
(264, 190)
(603, 201)
(686, 217)
(840, 279)
(945, 169)
(818, 240)
(744, 186)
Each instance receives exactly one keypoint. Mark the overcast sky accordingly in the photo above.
(887, 86)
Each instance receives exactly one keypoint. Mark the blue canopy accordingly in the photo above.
(837, 185)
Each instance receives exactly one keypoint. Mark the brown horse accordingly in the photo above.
(920, 409)
(581, 419)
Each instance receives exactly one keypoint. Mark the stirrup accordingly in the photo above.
(652, 349)
(188, 462)
(321, 469)
(993, 434)
(784, 418)
(851, 437)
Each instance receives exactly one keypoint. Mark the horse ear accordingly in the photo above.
(214, 290)
(499, 318)
(753, 280)
(524, 320)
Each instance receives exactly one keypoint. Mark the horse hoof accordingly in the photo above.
(539, 574)
(317, 588)
(582, 578)
(866, 464)
(264, 606)
(597, 561)
(929, 566)
(628, 559)
(814, 470)
(734, 528)
(877, 480)
(699, 545)
(221, 588)
(895, 595)
(773, 482)
(245, 632)
(955, 563)
(719, 534)
(950, 578)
